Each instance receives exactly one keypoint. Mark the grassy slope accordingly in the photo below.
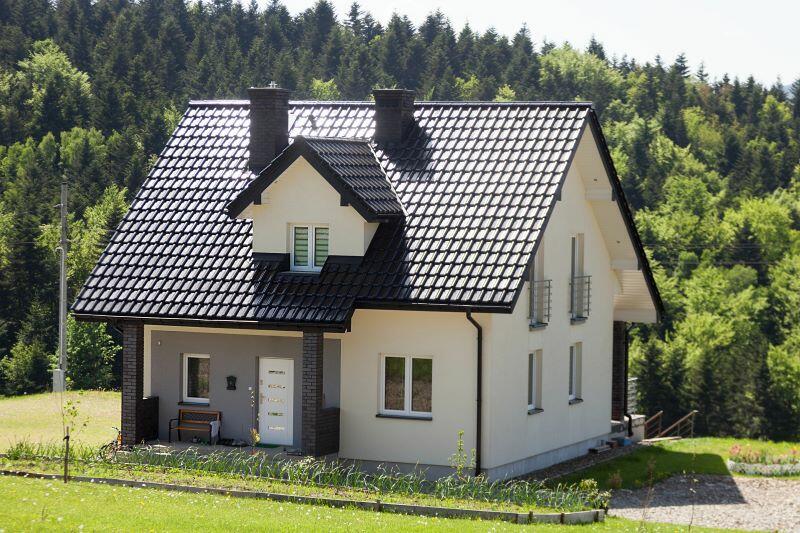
(37, 417)
(36, 505)
(699, 456)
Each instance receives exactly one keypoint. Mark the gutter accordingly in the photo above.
(479, 350)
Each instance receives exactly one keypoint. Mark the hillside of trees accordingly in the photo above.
(90, 89)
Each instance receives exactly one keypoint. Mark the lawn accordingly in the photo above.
(707, 455)
(37, 417)
(39, 505)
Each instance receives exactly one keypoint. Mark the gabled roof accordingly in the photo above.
(477, 182)
(349, 165)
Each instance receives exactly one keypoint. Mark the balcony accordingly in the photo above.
(539, 312)
(580, 298)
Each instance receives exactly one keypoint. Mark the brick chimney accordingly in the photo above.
(394, 114)
(269, 124)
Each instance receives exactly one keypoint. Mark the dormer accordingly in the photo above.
(318, 197)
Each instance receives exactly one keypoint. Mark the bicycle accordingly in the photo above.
(109, 450)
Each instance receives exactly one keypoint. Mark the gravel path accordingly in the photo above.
(719, 501)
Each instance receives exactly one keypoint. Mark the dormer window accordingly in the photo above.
(309, 247)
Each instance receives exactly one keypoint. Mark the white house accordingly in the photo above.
(370, 278)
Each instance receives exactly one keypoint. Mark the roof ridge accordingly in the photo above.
(334, 139)
(426, 103)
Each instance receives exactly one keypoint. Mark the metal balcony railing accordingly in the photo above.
(540, 304)
(580, 297)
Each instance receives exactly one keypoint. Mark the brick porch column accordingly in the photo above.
(619, 371)
(132, 382)
(312, 391)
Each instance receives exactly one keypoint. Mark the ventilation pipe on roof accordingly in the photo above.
(269, 124)
(394, 114)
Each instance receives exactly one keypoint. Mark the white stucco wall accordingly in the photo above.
(511, 433)
(301, 195)
(446, 337)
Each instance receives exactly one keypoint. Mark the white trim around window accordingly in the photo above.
(315, 239)
(185, 378)
(406, 398)
(535, 381)
(575, 363)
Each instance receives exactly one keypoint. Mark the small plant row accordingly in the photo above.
(759, 462)
(307, 470)
(750, 455)
(760, 469)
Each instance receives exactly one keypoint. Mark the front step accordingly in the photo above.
(600, 449)
(660, 439)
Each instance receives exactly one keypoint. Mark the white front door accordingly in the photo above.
(275, 395)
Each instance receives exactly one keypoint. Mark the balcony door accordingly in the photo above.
(578, 282)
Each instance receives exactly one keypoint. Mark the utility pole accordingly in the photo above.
(60, 374)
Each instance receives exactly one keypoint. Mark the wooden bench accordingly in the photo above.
(194, 420)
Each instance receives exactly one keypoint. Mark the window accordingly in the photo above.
(406, 385)
(535, 381)
(309, 247)
(579, 285)
(539, 312)
(196, 373)
(575, 372)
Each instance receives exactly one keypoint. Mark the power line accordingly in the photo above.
(718, 263)
(702, 246)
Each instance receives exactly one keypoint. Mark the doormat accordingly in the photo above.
(236, 443)
(265, 445)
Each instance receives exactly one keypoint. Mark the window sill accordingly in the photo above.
(197, 404)
(576, 401)
(536, 326)
(405, 417)
(535, 411)
(578, 320)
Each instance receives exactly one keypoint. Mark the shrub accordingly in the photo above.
(27, 369)
(91, 353)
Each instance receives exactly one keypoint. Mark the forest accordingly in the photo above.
(91, 89)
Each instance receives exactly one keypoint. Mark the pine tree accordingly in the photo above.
(596, 48)
(795, 97)
(522, 74)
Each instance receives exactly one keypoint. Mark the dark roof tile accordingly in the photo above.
(474, 183)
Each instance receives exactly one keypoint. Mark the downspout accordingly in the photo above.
(628, 329)
(478, 395)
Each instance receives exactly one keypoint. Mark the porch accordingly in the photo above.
(282, 386)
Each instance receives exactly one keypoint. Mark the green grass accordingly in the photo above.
(37, 417)
(707, 455)
(39, 505)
